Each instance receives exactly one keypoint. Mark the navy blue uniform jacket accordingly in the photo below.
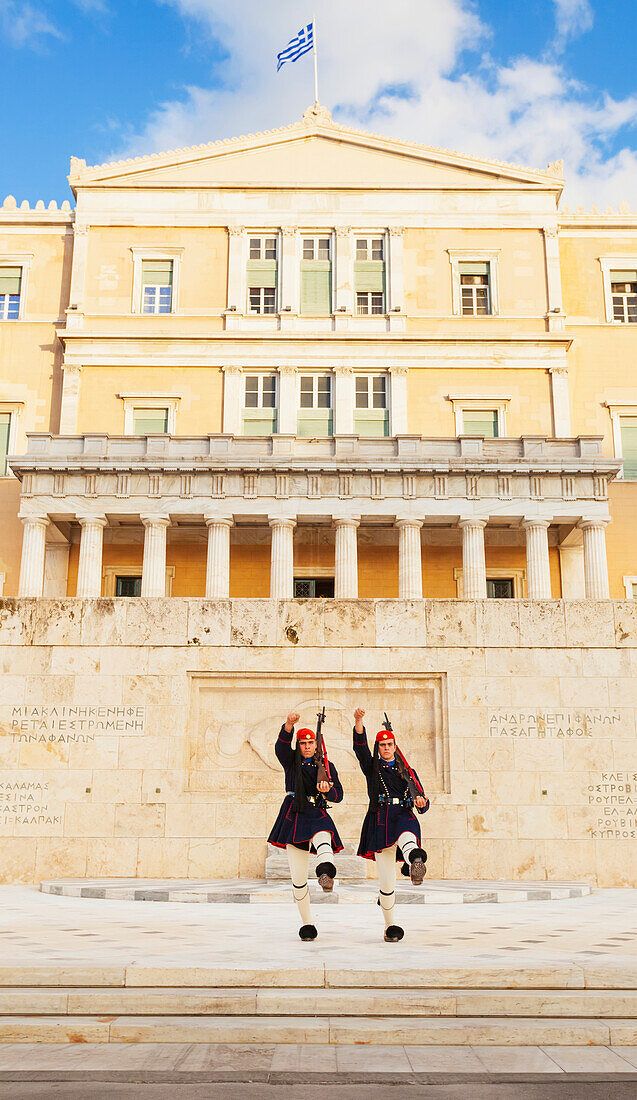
(295, 828)
(382, 827)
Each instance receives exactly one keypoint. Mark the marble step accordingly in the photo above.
(500, 977)
(293, 1003)
(350, 867)
(400, 1031)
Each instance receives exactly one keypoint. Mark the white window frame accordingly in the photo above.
(260, 375)
(262, 312)
(616, 412)
(133, 401)
(110, 573)
(370, 375)
(261, 235)
(459, 256)
(14, 408)
(315, 238)
(380, 235)
(629, 581)
(609, 264)
(477, 403)
(315, 375)
(155, 253)
(23, 260)
(369, 312)
(502, 572)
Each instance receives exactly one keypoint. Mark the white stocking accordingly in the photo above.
(323, 845)
(407, 842)
(299, 861)
(386, 864)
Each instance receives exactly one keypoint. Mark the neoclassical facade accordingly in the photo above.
(317, 362)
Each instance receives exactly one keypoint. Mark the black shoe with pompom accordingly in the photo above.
(308, 932)
(394, 933)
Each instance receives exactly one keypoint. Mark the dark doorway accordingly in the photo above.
(500, 588)
(320, 588)
(128, 586)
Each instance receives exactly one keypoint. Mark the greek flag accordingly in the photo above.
(297, 46)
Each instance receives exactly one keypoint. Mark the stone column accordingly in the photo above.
(561, 402)
(395, 282)
(287, 418)
(553, 279)
(398, 400)
(343, 268)
(290, 282)
(237, 268)
(232, 400)
(538, 573)
(474, 572)
(218, 560)
(154, 564)
(282, 558)
(89, 573)
(346, 559)
(70, 400)
(31, 581)
(595, 565)
(344, 399)
(409, 559)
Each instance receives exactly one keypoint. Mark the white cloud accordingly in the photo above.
(572, 17)
(25, 24)
(418, 72)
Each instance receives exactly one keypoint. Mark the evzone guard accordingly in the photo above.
(303, 823)
(391, 832)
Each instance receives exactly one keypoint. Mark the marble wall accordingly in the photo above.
(136, 735)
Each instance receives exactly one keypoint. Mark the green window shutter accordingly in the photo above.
(629, 445)
(369, 275)
(474, 269)
(371, 423)
(262, 273)
(150, 421)
(316, 288)
(5, 425)
(623, 276)
(157, 272)
(315, 423)
(259, 421)
(10, 280)
(480, 422)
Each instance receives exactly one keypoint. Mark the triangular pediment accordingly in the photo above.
(315, 152)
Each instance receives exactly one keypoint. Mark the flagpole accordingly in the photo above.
(316, 98)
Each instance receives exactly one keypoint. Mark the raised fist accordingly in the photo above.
(291, 720)
(359, 714)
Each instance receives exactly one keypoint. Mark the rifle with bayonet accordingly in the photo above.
(406, 773)
(323, 765)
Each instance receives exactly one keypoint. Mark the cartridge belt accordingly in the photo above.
(384, 800)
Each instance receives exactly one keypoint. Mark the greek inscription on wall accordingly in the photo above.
(614, 796)
(26, 802)
(65, 724)
(578, 724)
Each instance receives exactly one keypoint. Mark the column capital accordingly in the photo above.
(396, 230)
(35, 521)
(232, 368)
(346, 521)
(590, 524)
(472, 521)
(535, 521)
(343, 368)
(563, 370)
(282, 521)
(71, 368)
(287, 369)
(96, 521)
(236, 230)
(289, 230)
(344, 230)
(220, 521)
(408, 521)
(156, 520)
(399, 369)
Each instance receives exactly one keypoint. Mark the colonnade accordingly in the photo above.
(472, 529)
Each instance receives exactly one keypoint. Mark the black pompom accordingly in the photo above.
(394, 933)
(308, 932)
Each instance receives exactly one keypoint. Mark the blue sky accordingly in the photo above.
(528, 82)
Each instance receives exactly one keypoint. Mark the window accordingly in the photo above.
(5, 432)
(369, 302)
(474, 289)
(262, 299)
(370, 248)
(630, 587)
(623, 287)
(157, 286)
(263, 248)
(500, 588)
(628, 429)
(150, 421)
(128, 586)
(10, 286)
(315, 405)
(260, 404)
(316, 277)
(319, 588)
(371, 417)
(369, 276)
(480, 422)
